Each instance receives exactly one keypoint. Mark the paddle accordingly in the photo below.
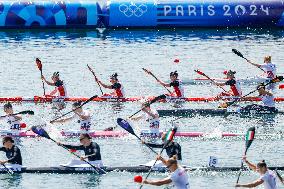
(242, 56)
(149, 103)
(87, 101)
(9, 171)
(161, 97)
(39, 65)
(30, 112)
(150, 73)
(126, 126)
(169, 138)
(203, 74)
(41, 132)
(278, 175)
(249, 138)
(91, 70)
(275, 80)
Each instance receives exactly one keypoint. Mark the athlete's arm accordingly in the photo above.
(104, 85)
(137, 118)
(268, 93)
(53, 92)
(159, 182)
(63, 120)
(83, 116)
(251, 165)
(251, 185)
(153, 145)
(17, 117)
(48, 82)
(150, 113)
(80, 147)
(257, 65)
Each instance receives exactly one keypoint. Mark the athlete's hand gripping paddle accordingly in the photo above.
(41, 132)
(150, 73)
(242, 56)
(169, 138)
(86, 102)
(249, 139)
(203, 74)
(91, 70)
(39, 66)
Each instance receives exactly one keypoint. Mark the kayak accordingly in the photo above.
(38, 99)
(117, 134)
(213, 112)
(136, 169)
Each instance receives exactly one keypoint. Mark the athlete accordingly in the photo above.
(90, 148)
(59, 93)
(152, 117)
(13, 153)
(115, 85)
(178, 177)
(269, 68)
(267, 99)
(176, 84)
(267, 177)
(172, 149)
(235, 88)
(14, 121)
(83, 117)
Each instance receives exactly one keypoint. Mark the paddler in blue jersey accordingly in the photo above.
(13, 153)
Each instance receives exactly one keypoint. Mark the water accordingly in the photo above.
(126, 52)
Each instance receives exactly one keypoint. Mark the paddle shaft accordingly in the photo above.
(203, 74)
(145, 144)
(148, 174)
(9, 171)
(43, 87)
(156, 79)
(89, 100)
(23, 112)
(242, 166)
(80, 158)
(91, 70)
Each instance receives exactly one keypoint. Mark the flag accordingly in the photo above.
(170, 134)
(250, 135)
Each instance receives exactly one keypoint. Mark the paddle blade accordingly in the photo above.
(277, 79)
(199, 72)
(161, 97)
(170, 136)
(237, 53)
(125, 125)
(40, 131)
(38, 63)
(30, 112)
(249, 137)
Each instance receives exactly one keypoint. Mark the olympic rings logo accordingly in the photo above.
(133, 10)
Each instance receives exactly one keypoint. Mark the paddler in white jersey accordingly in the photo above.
(269, 68)
(83, 117)
(178, 176)
(152, 117)
(267, 177)
(14, 121)
(267, 99)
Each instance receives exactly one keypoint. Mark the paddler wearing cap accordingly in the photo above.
(267, 99)
(115, 85)
(267, 177)
(91, 149)
(268, 67)
(178, 175)
(175, 83)
(14, 121)
(83, 117)
(235, 88)
(13, 153)
(172, 149)
(152, 117)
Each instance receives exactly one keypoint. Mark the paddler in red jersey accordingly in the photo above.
(235, 88)
(115, 85)
(59, 93)
(176, 84)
